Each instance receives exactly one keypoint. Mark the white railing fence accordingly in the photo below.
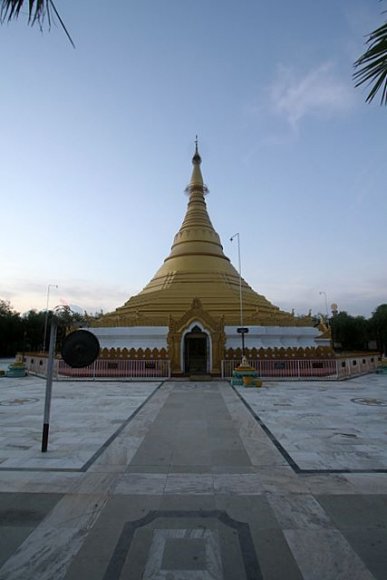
(306, 369)
(300, 369)
(103, 368)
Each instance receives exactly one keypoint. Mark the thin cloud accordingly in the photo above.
(319, 92)
(357, 297)
(25, 295)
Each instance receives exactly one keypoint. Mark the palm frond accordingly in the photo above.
(38, 11)
(371, 67)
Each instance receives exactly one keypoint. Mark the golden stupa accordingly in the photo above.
(197, 269)
(189, 313)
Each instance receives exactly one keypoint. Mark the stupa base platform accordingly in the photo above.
(16, 370)
(245, 375)
(252, 382)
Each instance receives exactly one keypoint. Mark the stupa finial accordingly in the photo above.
(196, 159)
(196, 184)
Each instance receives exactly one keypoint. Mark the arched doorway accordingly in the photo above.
(195, 351)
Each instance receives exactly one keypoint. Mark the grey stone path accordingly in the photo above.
(192, 487)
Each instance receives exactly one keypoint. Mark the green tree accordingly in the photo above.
(371, 67)
(11, 330)
(33, 325)
(67, 321)
(352, 332)
(378, 324)
(25, 333)
(361, 333)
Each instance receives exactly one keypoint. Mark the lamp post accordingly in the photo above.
(46, 317)
(50, 369)
(326, 304)
(242, 330)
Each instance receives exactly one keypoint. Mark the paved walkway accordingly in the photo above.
(186, 481)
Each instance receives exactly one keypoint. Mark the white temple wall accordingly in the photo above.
(132, 337)
(275, 337)
(257, 337)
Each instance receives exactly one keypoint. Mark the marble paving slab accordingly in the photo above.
(194, 472)
(331, 426)
(83, 418)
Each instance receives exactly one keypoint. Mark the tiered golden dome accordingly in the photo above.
(197, 269)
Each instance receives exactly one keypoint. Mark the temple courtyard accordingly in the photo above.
(185, 480)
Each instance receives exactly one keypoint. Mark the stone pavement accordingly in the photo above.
(187, 481)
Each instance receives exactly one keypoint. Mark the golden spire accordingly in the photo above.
(196, 182)
(196, 235)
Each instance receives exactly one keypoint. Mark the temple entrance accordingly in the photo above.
(195, 352)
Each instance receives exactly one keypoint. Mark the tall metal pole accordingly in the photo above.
(46, 317)
(50, 369)
(240, 288)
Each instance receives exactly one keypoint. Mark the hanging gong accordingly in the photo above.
(80, 349)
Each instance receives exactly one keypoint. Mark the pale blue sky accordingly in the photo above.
(96, 146)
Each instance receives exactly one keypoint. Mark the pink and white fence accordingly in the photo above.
(309, 369)
(103, 368)
(300, 369)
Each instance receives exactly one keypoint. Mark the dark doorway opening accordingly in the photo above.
(195, 352)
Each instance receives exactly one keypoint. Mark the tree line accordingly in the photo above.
(30, 332)
(357, 333)
(26, 332)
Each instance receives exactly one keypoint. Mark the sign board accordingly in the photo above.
(242, 330)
